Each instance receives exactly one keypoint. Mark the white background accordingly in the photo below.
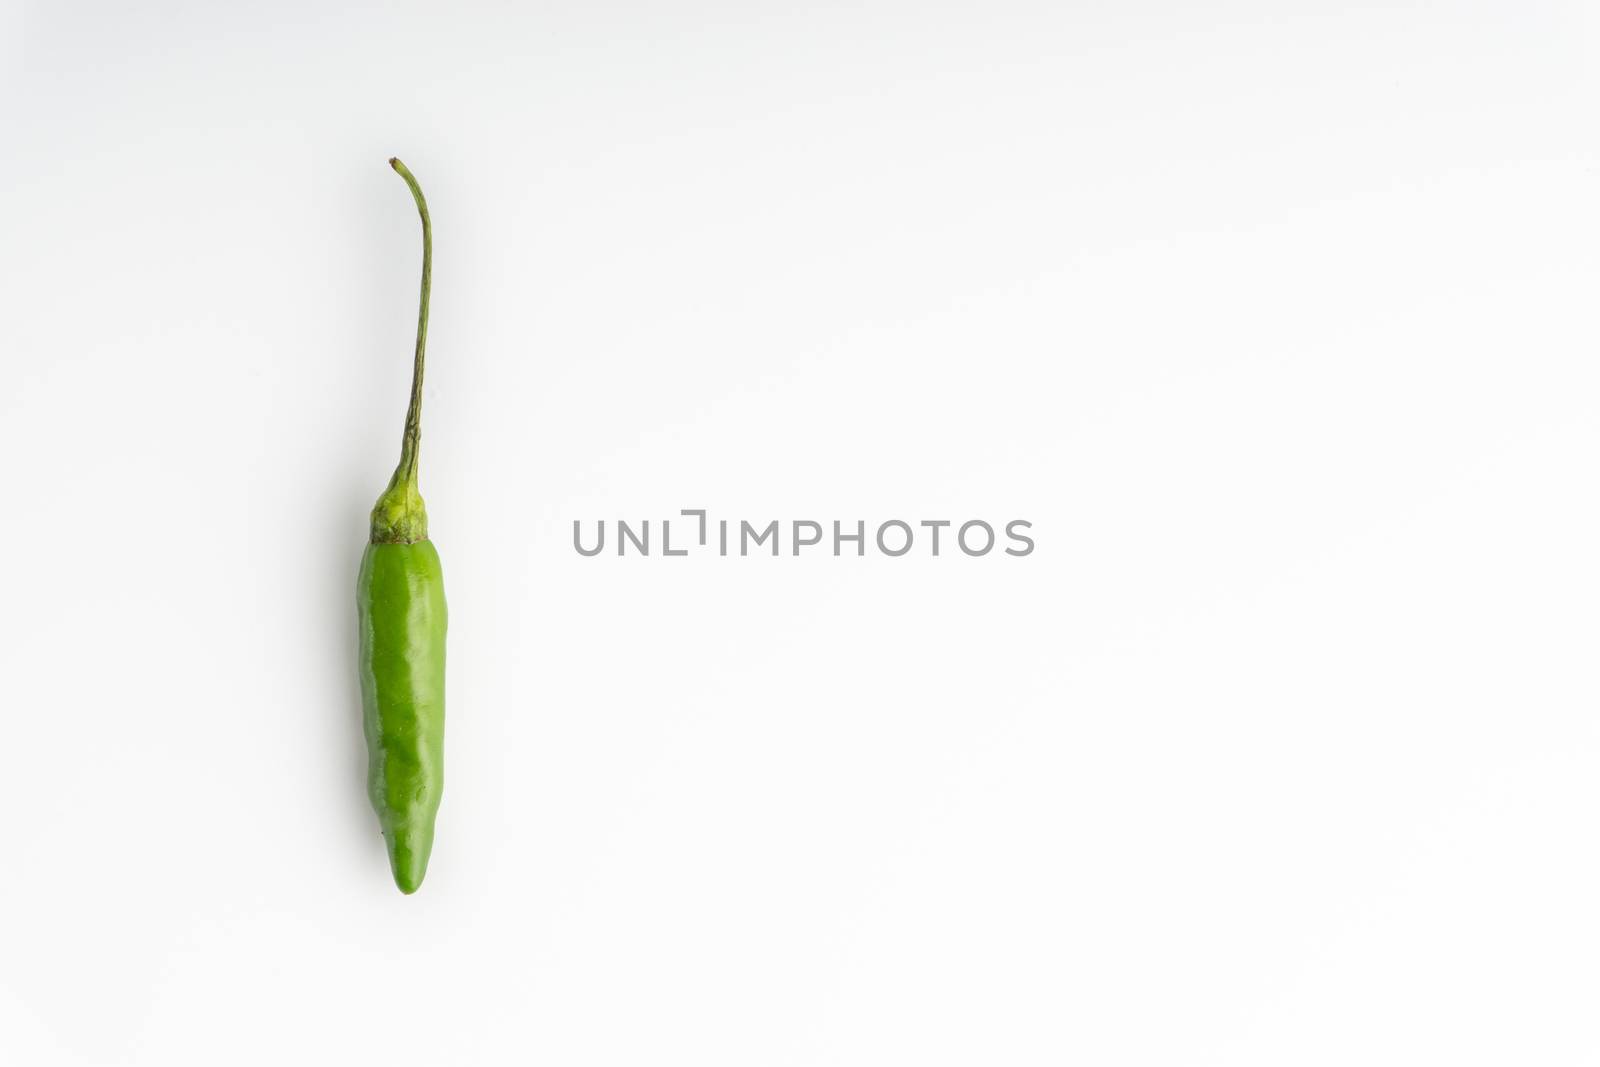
(1277, 320)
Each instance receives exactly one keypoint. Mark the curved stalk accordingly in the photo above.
(399, 516)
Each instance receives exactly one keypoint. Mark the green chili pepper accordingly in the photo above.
(400, 602)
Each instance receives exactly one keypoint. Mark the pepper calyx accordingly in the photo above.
(399, 517)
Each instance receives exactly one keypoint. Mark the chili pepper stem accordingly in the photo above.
(400, 517)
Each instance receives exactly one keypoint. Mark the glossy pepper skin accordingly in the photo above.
(400, 596)
(402, 615)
